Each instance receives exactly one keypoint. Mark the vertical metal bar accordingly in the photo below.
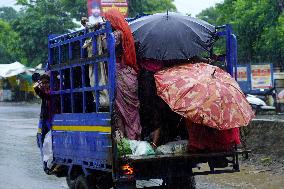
(71, 89)
(70, 51)
(111, 65)
(228, 50)
(50, 54)
(83, 87)
(95, 65)
(235, 54)
(97, 95)
(83, 75)
(51, 62)
(95, 47)
(61, 93)
(71, 77)
(111, 89)
(61, 80)
(81, 49)
(59, 54)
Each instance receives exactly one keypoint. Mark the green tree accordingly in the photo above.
(253, 21)
(77, 8)
(8, 14)
(40, 19)
(271, 43)
(9, 45)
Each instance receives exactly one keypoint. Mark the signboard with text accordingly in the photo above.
(97, 7)
(121, 5)
(261, 76)
(242, 74)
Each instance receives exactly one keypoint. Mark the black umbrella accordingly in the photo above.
(168, 36)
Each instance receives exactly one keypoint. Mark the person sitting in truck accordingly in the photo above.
(126, 101)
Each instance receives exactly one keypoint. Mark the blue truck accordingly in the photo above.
(83, 145)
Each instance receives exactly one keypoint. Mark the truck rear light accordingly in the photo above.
(127, 169)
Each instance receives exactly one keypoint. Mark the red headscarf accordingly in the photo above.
(118, 22)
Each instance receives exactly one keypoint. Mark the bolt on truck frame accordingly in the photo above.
(83, 132)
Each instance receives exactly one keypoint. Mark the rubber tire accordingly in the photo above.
(83, 183)
(181, 183)
(71, 183)
(125, 185)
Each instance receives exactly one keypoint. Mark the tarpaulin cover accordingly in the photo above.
(9, 70)
(204, 94)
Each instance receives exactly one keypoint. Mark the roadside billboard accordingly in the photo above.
(242, 73)
(97, 7)
(120, 5)
(261, 77)
(243, 77)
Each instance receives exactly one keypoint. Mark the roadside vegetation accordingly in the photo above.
(259, 26)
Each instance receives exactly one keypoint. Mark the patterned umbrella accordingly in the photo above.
(205, 94)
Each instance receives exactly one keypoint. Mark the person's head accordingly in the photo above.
(84, 21)
(96, 11)
(119, 23)
(35, 77)
(45, 80)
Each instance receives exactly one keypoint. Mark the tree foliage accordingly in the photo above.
(8, 14)
(258, 25)
(77, 8)
(9, 44)
(40, 19)
(27, 40)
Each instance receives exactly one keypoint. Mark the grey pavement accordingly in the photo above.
(20, 165)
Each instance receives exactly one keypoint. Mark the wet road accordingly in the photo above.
(20, 165)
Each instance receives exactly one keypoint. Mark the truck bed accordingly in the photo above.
(133, 158)
(181, 164)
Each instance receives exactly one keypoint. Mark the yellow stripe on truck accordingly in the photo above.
(104, 129)
(39, 130)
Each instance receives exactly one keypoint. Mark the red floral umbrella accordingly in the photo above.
(205, 94)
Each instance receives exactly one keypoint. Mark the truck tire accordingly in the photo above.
(70, 182)
(125, 185)
(83, 183)
(181, 183)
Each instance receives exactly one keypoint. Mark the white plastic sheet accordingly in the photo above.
(47, 149)
(9, 70)
(140, 148)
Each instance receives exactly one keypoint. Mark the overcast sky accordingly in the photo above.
(7, 3)
(185, 6)
(194, 6)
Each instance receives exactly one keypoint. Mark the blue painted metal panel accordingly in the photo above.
(245, 84)
(102, 119)
(73, 144)
(80, 147)
(225, 31)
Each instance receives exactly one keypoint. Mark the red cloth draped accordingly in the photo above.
(203, 138)
(118, 23)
